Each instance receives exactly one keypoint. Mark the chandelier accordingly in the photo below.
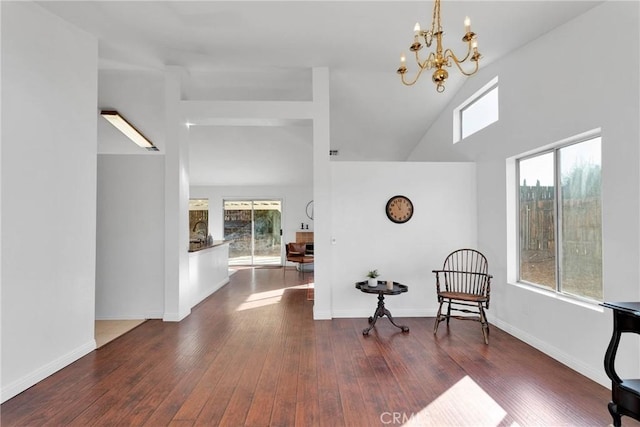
(440, 58)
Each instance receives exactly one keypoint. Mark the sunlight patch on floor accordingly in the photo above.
(464, 404)
(262, 299)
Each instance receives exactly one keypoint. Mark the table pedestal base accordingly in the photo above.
(380, 312)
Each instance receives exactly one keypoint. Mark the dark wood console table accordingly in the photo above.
(625, 394)
(382, 290)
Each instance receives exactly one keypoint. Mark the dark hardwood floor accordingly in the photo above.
(252, 354)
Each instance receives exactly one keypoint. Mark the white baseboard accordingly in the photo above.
(596, 375)
(321, 314)
(210, 291)
(43, 372)
(175, 317)
(150, 315)
(153, 315)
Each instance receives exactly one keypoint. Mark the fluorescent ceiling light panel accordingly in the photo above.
(127, 128)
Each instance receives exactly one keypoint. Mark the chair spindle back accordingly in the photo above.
(466, 271)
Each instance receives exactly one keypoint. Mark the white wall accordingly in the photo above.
(130, 223)
(49, 95)
(130, 238)
(444, 219)
(551, 89)
(294, 202)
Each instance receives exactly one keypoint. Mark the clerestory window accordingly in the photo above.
(477, 112)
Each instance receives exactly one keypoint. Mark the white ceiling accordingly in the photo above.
(264, 50)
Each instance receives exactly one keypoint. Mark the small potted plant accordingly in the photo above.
(372, 275)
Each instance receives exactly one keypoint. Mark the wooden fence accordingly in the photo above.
(581, 224)
(537, 225)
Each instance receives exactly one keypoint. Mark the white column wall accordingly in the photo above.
(49, 98)
(552, 89)
(322, 202)
(178, 292)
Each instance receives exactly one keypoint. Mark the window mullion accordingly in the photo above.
(558, 220)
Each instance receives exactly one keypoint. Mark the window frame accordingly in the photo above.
(477, 96)
(558, 213)
(555, 211)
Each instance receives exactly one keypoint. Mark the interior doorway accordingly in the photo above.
(255, 229)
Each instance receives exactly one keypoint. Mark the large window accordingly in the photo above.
(560, 219)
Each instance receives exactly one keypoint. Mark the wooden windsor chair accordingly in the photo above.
(464, 284)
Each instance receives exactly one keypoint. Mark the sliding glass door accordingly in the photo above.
(254, 226)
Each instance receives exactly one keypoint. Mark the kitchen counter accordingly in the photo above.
(208, 269)
(196, 247)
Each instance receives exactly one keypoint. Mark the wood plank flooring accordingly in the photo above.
(252, 355)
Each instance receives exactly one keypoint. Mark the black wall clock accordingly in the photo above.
(399, 209)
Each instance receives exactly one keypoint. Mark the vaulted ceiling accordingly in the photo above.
(264, 50)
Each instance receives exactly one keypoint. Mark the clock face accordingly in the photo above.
(399, 209)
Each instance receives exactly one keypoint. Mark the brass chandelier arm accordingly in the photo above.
(411, 83)
(449, 54)
(427, 64)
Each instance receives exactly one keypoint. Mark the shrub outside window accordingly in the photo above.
(560, 219)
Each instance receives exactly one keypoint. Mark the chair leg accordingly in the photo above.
(448, 312)
(484, 323)
(438, 318)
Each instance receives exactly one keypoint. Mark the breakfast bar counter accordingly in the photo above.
(208, 269)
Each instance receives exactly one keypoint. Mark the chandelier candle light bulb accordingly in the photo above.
(441, 57)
